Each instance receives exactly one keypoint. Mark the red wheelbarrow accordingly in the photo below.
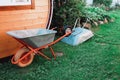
(33, 41)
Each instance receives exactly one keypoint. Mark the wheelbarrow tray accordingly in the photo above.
(34, 37)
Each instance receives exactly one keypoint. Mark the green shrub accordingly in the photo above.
(68, 11)
(107, 3)
(94, 13)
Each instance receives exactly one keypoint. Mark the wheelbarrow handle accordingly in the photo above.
(57, 40)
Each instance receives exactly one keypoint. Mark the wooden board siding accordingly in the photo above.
(21, 19)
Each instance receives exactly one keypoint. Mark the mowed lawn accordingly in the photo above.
(95, 59)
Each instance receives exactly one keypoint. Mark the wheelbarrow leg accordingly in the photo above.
(43, 55)
(53, 53)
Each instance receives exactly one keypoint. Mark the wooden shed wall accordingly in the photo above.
(21, 19)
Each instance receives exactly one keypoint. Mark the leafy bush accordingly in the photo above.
(67, 11)
(95, 13)
(107, 3)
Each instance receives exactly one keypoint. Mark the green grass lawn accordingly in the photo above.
(96, 59)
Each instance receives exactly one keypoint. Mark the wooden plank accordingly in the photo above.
(37, 9)
(41, 2)
(18, 17)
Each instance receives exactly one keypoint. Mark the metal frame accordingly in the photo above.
(37, 50)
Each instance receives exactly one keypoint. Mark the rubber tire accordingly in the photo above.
(20, 53)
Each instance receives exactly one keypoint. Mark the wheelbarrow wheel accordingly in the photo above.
(26, 61)
(68, 30)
